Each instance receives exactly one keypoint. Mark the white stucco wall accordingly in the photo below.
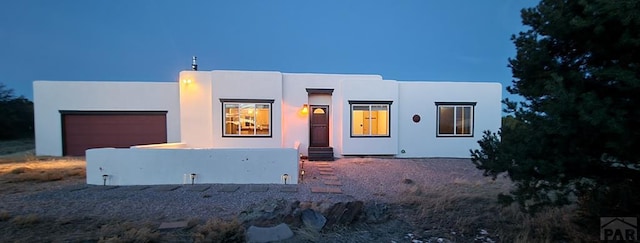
(296, 124)
(50, 97)
(169, 166)
(196, 119)
(369, 90)
(419, 139)
(247, 85)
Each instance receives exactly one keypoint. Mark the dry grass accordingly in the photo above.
(16, 146)
(466, 208)
(4, 215)
(217, 230)
(26, 220)
(42, 170)
(128, 232)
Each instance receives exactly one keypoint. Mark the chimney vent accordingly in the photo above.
(194, 65)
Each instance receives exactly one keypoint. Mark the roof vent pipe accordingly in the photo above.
(194, 66)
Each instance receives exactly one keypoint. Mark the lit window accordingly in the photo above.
(247, 117)
(455, 119)
(370, 118)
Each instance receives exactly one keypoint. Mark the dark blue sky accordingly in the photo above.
(152, 40)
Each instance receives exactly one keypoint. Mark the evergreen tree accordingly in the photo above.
(574, 137)
(16, 115)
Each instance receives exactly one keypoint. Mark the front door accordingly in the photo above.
(319, 126)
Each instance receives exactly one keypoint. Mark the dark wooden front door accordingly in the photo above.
(319, 126)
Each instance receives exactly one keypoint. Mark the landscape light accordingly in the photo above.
(104, 179)
(193, 178)
(301, 175)
(285, 177)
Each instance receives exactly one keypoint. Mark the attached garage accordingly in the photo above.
(82, 130)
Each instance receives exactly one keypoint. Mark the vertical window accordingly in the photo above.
(455, 119)
(250, 118)
(370, 118)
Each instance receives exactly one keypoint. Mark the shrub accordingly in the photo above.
(217, 230)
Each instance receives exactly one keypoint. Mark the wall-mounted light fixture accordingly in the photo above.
(104, 179)
(193, 178)
(186, 81)
(305, 109)
(285, 177)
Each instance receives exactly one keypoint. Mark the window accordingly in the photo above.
(370, 118)
(455, 119)
(251, 118)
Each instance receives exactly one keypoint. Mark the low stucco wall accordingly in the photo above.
(169, 166)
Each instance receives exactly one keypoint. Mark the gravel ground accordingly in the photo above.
(366, 179)
(68, 210)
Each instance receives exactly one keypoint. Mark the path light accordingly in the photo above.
(104, 179)
(285, 177)
(301, 175)
(193, 178)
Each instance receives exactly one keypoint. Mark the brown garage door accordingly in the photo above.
(85, 130)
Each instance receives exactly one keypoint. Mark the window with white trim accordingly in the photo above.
(455, 119)
(370, 118)
(246, 118)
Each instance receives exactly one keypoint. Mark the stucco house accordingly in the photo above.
(251, 127)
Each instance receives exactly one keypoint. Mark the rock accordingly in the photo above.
(376, 213)
(268, 234)
(344, 213)
(313, 219)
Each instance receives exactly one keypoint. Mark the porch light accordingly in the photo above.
(104, 179)
(305, 109)
(285, 177)
(193, 178)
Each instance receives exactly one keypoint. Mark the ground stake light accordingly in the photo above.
(285, 177)
(193, 178)
(302, 175)
(104, 179)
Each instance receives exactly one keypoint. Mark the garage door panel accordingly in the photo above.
(109, 129)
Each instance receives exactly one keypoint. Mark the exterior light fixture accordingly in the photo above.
(285, 177)
(104, 179)
(193, 178)
(301, 175)
(305, 109)
(186, 81)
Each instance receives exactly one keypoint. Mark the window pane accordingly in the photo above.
(262, 119)
(358, 121)
(231, 115)
(445, 123)
(380, 122)
(247, 121)
(370, 120)
(467, 121)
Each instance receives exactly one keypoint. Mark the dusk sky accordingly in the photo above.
(154, 40)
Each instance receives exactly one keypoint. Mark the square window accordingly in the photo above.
(455, 119)
(370, 119)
